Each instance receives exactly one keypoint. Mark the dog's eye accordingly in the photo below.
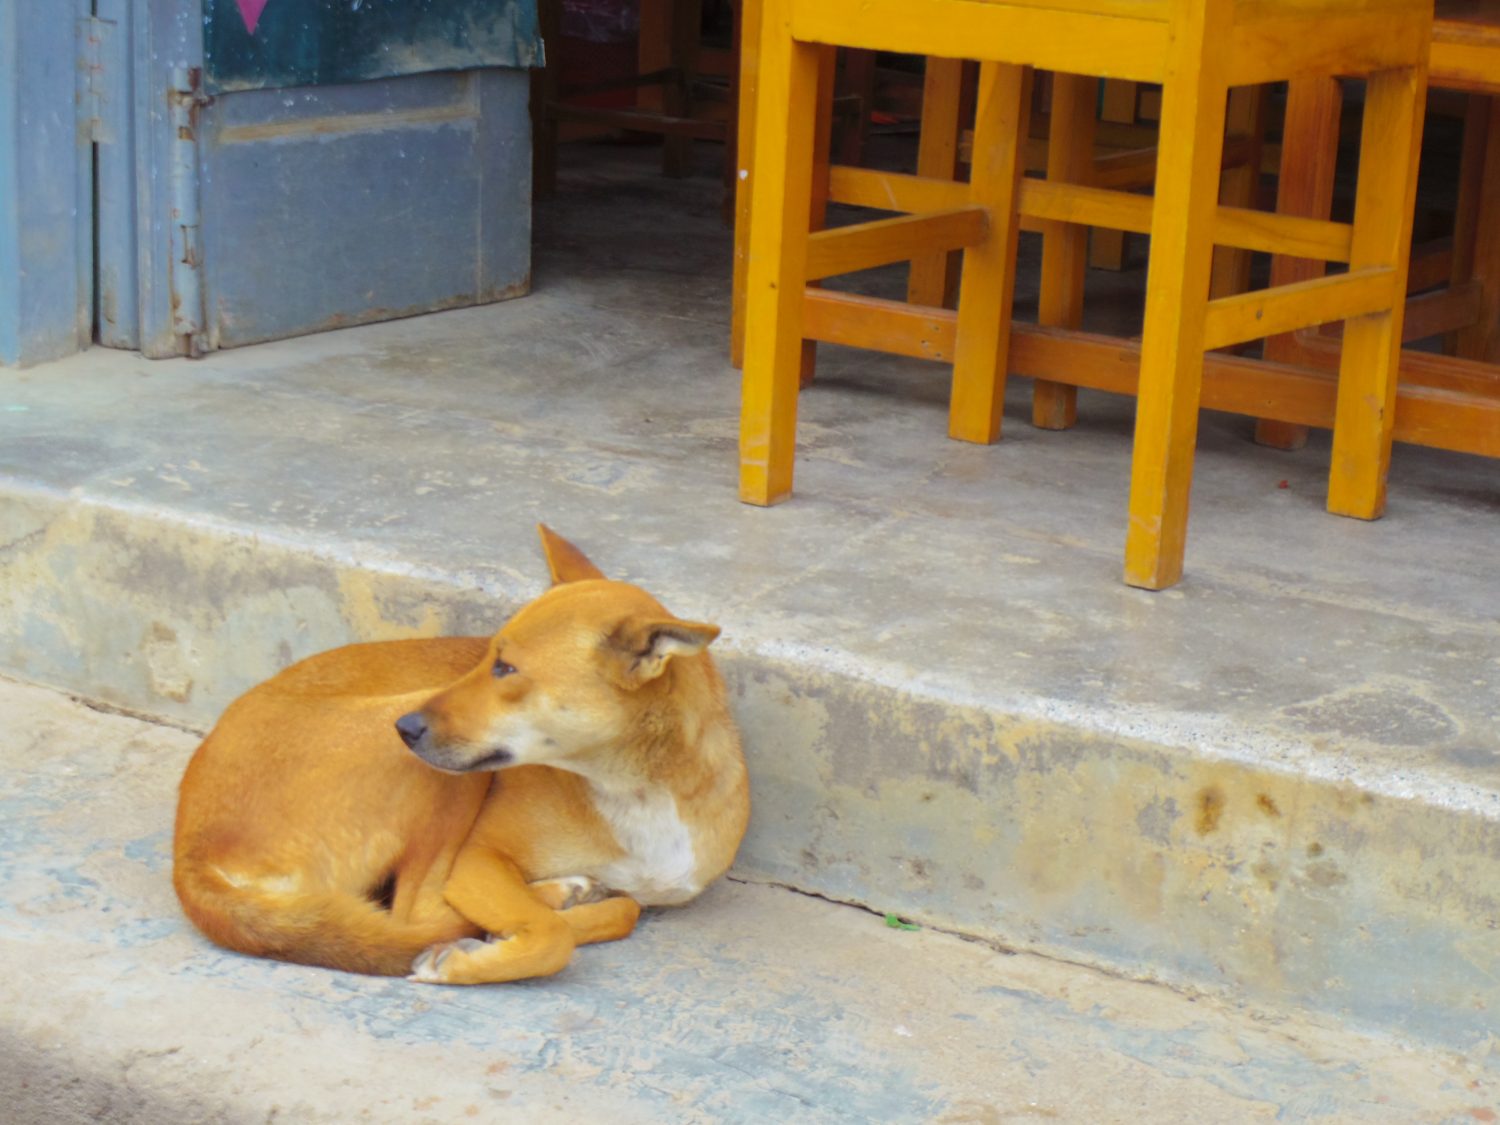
(502, 669)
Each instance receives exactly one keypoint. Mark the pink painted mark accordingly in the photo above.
(250, 11)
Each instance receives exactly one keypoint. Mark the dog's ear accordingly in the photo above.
(566, 562)
(648, 644)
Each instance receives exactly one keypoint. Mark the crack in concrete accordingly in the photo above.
(122, 711)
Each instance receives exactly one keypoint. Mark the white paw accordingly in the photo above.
(428, 967)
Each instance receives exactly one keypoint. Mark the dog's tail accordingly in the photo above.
(333, 929)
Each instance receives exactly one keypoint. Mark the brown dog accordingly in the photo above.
(307, 832)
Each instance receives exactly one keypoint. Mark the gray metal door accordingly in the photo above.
(233, 210)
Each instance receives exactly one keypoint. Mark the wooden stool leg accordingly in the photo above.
(545, 84)
(781, 202)
(1470, 199)
(859, 80)
(822, 149)
(1177, 278)
(1383, 203)
(1107, 247)
(1309, 155)
(675, 27)
(749, 69)
(1240, 185)
(937, 156)
(653, 50)
(987, 288)
(731, 133)
(1481, 340)
(1065, 246)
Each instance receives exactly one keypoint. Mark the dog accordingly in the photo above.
(469, 810)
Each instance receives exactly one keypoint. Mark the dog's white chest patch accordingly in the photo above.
(659, 867)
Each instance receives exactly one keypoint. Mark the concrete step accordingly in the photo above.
(1279, 781)
(752, 1004)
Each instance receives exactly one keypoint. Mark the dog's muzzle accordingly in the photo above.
(412, 728)
(414, 731)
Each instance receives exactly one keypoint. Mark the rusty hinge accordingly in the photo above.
(98, 44)
(185, 99)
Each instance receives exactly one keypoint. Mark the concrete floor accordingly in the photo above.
(752, 1004)
(1278, 781)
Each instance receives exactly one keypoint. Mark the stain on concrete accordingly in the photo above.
(1156, 819)
(1208, 809)
(1325, 873)
(167, 663)
(1385, 717)
(1472, 757)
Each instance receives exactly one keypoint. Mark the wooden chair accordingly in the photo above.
(1447, 401)
(1198, 50)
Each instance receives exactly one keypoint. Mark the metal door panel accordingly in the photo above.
(330, 206)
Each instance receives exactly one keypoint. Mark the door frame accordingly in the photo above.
(46, 181)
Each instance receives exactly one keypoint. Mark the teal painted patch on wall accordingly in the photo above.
(260, 44)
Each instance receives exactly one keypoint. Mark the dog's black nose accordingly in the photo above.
(411, 727)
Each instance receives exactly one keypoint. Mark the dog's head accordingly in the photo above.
(574, 671)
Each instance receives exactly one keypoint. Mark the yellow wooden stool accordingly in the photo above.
(1197, 50)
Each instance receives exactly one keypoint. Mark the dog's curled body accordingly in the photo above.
(302, 805)
(306, 831)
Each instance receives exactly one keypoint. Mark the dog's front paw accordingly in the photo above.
(569, 891)
(432, 964)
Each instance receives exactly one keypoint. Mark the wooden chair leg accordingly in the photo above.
(1187, 191)
(749, 69)
(1309, 155)
(1065, 246)
(937, 157)
(781, 203)
(987, 288)
(1384, 200)
(1481, 340)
